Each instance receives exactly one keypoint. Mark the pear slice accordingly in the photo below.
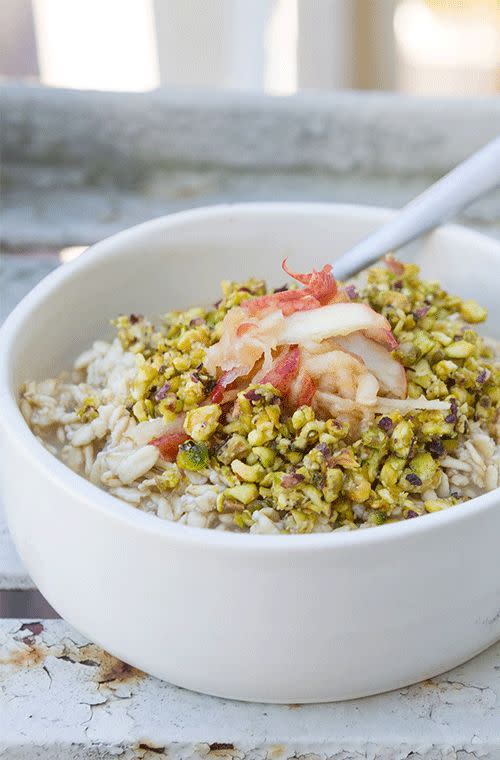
(333, 320)
(389, 372)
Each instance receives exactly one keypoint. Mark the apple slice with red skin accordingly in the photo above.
(169, 443)
(336, 371)
(383, 336)
(389, 372)
(336, 319)
(288, 301)
(226, 379)
(302, 390)
(319, 288)
(306, 388)
(283, 371)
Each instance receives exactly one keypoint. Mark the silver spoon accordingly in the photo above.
(466, 183)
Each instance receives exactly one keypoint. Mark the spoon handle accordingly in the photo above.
(470, 180)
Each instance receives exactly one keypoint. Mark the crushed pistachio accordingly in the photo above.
(88, 410)
(291, 465)
(472, 312)
(193, 456)
(202, 422)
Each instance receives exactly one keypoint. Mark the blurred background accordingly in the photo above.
(423, 47)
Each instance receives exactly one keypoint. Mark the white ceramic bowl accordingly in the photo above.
(272, 618)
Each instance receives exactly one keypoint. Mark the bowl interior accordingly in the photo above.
(180, 260)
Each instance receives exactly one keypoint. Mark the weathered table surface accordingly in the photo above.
(61, 697)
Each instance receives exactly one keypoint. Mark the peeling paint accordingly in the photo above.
(275, 751)
(146, 750)
(215, 746)
(67, 698)
(26, 652)
(35, 628)
(29, 657)
(221, 751)
(112, 670)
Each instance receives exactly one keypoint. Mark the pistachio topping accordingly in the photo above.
(292, 462)
(320, 408)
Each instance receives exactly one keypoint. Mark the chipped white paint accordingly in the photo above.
(61, 698)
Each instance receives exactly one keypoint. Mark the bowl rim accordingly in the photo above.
(12, 423)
